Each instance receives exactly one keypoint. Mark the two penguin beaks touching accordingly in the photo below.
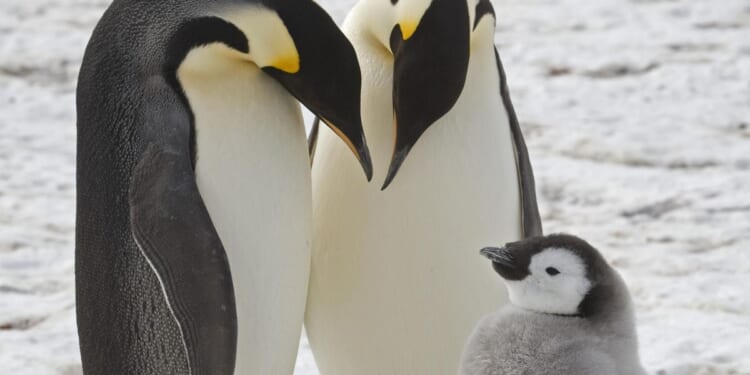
(570, 313)
(200, 222)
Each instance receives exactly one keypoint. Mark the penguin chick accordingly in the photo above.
(570, 313)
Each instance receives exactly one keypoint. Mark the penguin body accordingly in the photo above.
(391, 269)
(570, 314)
(192, 162)
(260, 168)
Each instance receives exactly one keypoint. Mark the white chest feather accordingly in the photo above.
(253, 175)
(397, 283)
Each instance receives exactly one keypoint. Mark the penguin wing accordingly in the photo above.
(532, 223)
(173, 230)
(312, 140)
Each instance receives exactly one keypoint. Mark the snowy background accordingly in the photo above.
(636, 112)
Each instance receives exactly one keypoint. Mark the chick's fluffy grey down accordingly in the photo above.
(600, 340)
(515, 341)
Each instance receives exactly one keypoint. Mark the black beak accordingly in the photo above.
(504, 263)
(429, 73)
(329, 80)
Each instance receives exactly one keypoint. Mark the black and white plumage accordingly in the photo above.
(192, 161)
(570, 313)
(395, 285)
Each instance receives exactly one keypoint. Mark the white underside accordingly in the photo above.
(253, 174)
(397, 282)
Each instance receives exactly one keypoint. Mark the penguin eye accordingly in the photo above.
(552, 271)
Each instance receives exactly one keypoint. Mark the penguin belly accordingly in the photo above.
(396, 285)
(252, 171)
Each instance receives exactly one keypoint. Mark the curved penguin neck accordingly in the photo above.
(377, 82)
(252, 171)
(464, 130)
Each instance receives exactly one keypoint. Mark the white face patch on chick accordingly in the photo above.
(556, 283)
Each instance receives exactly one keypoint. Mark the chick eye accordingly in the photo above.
(552, 271)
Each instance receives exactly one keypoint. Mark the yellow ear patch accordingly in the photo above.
(409, 14)
(408, 27)
(288, 63)
(269, 40)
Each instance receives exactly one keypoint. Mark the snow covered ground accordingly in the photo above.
(637, 114)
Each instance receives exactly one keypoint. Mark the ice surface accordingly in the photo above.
(636, 112)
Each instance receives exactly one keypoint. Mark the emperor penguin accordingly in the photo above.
(570, 313)
(395, 286)
(192, 162)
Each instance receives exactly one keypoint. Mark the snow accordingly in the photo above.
(637, 116)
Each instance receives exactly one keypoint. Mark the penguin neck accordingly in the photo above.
(465, 129)
(242, 117)
(376, 64)
(252, 171)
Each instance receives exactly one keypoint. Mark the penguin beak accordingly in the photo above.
(504, 263)
(328, 79)
(430, 65)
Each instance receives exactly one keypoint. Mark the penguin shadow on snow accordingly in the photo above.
(570, 313)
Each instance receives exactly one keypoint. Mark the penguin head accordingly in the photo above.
(427, 42)
(329, 80)
(296, 43)
(556, 274)
(482, 16)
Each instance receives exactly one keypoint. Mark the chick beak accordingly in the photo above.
(504, 263)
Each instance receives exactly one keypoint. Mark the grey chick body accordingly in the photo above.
(599, 338)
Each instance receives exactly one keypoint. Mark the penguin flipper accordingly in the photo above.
(531, 221)
(312, 140)
(173, 230)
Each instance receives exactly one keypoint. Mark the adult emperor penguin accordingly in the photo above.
(395, 286)
(192, 160)
(570, 313)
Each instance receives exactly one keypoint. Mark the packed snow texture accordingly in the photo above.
(637, 116)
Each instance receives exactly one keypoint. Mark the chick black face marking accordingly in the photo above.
(554, 274)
